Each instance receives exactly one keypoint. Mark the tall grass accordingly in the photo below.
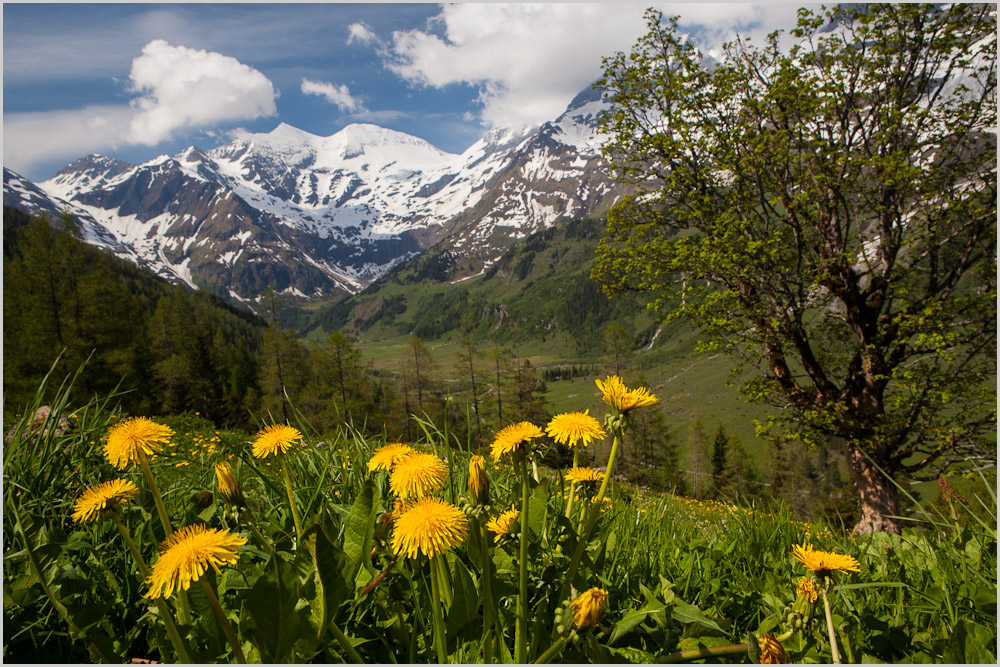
(682, 576)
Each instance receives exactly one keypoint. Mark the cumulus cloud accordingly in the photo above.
(36, 137)
(359, 32)
(530, 60)
(339, 95)
(181, 88)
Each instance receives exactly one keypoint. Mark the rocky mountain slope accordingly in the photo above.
(317, 217)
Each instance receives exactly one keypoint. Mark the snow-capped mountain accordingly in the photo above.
(319, 216)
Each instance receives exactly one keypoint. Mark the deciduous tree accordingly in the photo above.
(827, 214)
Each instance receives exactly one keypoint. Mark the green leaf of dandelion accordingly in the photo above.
(688, 613)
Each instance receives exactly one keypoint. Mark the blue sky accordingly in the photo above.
(134, 81)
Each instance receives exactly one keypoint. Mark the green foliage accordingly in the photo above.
(176, 350)
(827, 215)
(680, 574)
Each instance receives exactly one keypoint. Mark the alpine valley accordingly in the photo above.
(322, 217)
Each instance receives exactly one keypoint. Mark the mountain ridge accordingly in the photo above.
(322, 217)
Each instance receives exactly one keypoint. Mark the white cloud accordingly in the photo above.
(184, 88)
(359, 32)
(33, 138)
(339, 95)
(530, 60)
(178, 89)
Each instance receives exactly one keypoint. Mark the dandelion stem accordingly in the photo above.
(700, 653)
(161, 509)
(183, 610)
(829, 628)
(591, 518)
(291, 500)
(213, 601)
(260, 537)
(521, 632)
(486, 588)
(611, 465)
(551, 652)
(439, 636)
(345, 643)
(161, 605)
(572, 484)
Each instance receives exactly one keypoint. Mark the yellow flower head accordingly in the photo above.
(584, 475)
(479, 483)
(587, 608)
(617, 395)
(275, 439)
(510, 439)
(771, 650)
(185, 555)
(575, 429)
(131, 439)
(822, 562)
(418, 475)
(807, 589)
(227, 483)
(503, 524)
(429, 526)
(97, 499)
(387, 456)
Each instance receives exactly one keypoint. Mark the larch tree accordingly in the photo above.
(823, 205)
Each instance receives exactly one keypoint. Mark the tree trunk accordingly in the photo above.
(878, 497)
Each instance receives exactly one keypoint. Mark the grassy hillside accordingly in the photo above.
(539, 303)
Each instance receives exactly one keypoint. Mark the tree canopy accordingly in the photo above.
(823, 205)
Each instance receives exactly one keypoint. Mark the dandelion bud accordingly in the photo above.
(771, 651)
(384, 525)
(807, 593)
(587, 608)
(226, 482)
(479, 483)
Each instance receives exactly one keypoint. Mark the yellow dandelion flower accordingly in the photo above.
(97, 499)
(275, 439)
(807, 589)
(824, 563)
(418, 475)
(575, 429)
(509, 440)
(227, 483)
(429, 526)
(130, 439)
(771, 650)
(584, 475)
(503, 524)
(384, 458)
(479, 483)
(617, 395)
(587, 608)
(185, 555)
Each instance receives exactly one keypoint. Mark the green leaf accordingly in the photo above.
(538, 505)
(688, 613)
(969, 643)
(465, 601)
(632, 619)
(337, 572)
(689, 643)
(874, 584)
(270, 608)
(634, 655)
(359, 526)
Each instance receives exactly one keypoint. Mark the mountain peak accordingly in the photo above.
(95, 161)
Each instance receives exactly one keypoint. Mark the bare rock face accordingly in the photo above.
(40, 426)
